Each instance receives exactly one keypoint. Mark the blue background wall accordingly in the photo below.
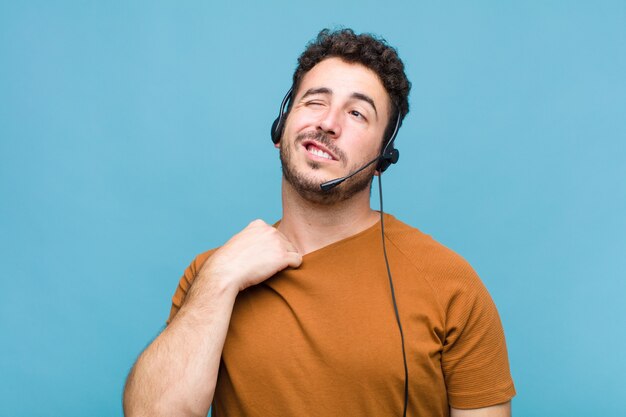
(134, 136)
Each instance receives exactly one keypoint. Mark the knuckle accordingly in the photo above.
(256, 222)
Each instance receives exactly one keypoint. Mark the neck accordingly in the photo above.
(311, 226)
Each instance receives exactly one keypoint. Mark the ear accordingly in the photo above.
(277, 145)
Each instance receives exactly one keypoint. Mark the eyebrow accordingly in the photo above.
(313, 91)
(358, 96)
(366, 98)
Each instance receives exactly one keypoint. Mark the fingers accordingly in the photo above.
(260, 224)
(286, 243)
(258, 252)
(291, 255)
(294, 259)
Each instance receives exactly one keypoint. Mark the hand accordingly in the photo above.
(251, 256)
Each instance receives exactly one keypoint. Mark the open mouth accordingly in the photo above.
(318, 150)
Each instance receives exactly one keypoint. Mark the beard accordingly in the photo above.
(309, 188)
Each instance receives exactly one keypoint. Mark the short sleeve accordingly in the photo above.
(185, 283)
(474, 359)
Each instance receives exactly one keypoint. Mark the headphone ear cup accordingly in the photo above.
(276, 128)
(390, 156)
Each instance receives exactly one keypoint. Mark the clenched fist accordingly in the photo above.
(252, 256)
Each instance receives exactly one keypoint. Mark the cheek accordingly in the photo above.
(301, 119)
(365, 145)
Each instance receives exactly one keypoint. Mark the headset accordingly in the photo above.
(388, 156)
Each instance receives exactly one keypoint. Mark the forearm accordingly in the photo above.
(177, 373)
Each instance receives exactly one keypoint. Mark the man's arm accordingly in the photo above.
(500, 410)
(177, 373)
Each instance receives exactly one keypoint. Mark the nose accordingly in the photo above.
(330, 123)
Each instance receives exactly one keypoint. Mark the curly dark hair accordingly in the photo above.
(368, 50)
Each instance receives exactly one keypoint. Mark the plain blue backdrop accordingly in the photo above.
(135, 135)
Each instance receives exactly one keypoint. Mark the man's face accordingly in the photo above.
(335, 126)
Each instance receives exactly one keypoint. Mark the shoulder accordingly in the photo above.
(198, 261)
(192, 270)
(186, 280)
(422, 249)
(445, 271)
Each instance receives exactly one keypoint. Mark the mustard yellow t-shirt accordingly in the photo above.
(322, 340)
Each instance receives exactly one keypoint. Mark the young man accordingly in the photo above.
(298, 319)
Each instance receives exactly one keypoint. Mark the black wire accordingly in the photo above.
(393, 297)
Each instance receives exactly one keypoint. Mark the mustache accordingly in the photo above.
(322, 138)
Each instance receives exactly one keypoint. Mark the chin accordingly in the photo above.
(308, 186)
(306, 176)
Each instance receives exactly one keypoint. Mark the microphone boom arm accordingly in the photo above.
(329, 185)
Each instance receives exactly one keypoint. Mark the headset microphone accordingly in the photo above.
(329, 185)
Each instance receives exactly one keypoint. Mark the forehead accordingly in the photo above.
(344, 79)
